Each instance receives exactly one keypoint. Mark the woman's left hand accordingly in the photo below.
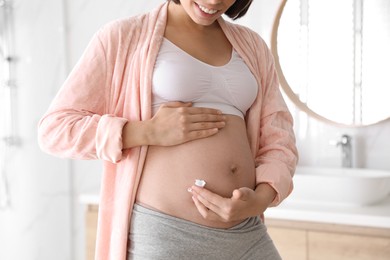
(244, 203)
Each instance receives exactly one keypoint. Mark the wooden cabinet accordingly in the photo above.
(91, 216)
(319, 241)
(291, 243)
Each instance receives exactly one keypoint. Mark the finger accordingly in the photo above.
(204, 211)
(195, 118)
(207, 204)
(194, 135)
(204, 110)
(205, 126)
(212, 211)
(209, 199)
(237, 194)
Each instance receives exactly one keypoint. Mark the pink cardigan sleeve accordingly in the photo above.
(76, 124)
(276, 153)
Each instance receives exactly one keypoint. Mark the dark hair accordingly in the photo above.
(237, 10)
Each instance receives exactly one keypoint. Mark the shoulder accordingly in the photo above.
(252, 44)
(131, 28)
(246, 33)
(121, 28)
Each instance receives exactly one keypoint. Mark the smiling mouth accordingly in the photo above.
(206, 10)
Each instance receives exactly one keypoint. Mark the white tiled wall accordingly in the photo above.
(46, 218)
(36, 225)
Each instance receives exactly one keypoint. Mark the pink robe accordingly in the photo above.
(111, 85)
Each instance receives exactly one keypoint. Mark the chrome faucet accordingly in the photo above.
(346, 150)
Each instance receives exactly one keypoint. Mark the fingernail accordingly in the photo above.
(189, 190)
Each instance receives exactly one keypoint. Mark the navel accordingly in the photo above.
(233, 169)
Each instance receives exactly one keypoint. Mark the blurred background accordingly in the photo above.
(43, 199)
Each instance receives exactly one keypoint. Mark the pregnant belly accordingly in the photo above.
(224, 161)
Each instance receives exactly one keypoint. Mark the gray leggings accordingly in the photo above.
(154, 236)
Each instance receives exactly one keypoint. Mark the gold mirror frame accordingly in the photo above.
(285, 85)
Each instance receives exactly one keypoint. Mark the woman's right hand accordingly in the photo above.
(174, 123)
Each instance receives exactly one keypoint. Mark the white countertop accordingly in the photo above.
(377, 215)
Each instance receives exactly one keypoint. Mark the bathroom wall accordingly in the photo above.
(45, 220)
(36, 225)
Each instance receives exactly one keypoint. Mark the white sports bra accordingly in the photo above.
(178, 76)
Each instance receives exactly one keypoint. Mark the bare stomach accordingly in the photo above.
(224, 161)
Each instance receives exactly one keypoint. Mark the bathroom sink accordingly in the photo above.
(347, 186)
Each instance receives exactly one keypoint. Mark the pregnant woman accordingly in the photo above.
(167, 98)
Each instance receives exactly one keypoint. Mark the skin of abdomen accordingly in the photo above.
(224, 161)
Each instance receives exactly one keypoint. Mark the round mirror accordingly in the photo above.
(333, 58)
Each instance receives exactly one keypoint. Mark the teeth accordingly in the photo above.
(206, 10)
